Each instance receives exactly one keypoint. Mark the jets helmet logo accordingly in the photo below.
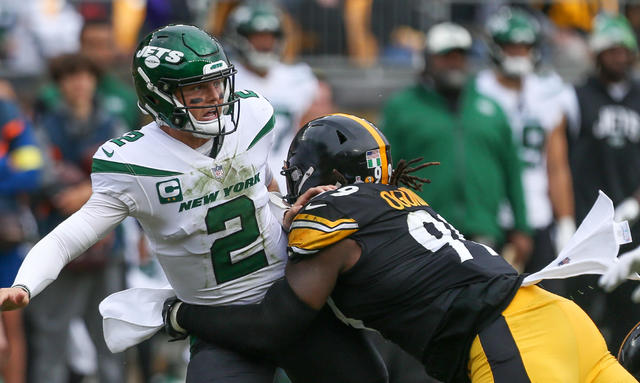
(154, 55)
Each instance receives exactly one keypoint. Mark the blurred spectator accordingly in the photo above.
(255, 33)
(37, 31)
(330, 27)
(361, 44)
(115, 97)
(73, 130)
(577, 14)
(406, 46)
(535, 114)
(20, 163)
(323, 103)
(605, 155)
(128, 17)
(162, 12)
(443, 118)
(632, 13)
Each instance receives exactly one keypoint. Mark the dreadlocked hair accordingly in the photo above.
(402, 174)
(339, 177)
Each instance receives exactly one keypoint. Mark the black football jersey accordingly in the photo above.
(605, 155)
(418, 281)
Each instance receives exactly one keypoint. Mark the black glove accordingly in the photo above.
(174, 333)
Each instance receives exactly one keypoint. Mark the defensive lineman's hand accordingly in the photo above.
(301, 201)
(13, 298)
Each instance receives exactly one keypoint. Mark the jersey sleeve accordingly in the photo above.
(98, 217)
(106, 177)
(259, 111)
(325, 220)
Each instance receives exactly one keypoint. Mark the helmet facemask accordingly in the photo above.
(516, 66)
(296, 179)
(514, 27)
(182, 118)
(261, 60)
(223, 110)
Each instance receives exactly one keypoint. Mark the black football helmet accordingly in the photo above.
(352, 146)
(629, 354)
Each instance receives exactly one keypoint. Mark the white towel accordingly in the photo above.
(133, 315)
(592, 249)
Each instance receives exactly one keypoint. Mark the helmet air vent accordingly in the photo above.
(341, 137)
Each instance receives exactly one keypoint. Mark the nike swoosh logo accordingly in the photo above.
(109, 154)
(311, 207)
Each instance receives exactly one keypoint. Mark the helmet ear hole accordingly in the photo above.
(341, 137)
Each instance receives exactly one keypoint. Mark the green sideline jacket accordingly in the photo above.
(479, 166)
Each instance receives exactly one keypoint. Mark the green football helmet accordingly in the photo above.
(513, 26)
(610, 31)
(251, 18)
(175, 56)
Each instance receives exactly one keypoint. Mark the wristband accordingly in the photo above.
(25, 288)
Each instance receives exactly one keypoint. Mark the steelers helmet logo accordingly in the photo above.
(369, 179)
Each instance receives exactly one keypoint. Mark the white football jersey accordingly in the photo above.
(533, 113)
(291, 90)
(208, 220)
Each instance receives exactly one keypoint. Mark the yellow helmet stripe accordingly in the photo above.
(379, 141)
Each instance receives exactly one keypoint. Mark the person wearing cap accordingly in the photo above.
(442, 117)
(533, 102)
(605, 155)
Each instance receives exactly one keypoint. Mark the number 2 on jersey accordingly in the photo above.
(218, 217)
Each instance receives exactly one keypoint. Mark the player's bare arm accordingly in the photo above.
(288, 308)
(560, 185)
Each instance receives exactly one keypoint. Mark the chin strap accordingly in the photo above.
(217, 145)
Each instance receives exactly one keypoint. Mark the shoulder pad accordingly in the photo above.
(257, 116)
(325, 220)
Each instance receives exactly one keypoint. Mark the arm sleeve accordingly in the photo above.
(72, 237)
(513, 176)
(258, 328)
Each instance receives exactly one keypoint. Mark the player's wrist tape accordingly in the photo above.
(174, 320)
(25, 288)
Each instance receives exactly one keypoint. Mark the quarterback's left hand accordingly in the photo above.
(628, 263)
(171, 326)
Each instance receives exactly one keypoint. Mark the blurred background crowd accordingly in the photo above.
(530, 106)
